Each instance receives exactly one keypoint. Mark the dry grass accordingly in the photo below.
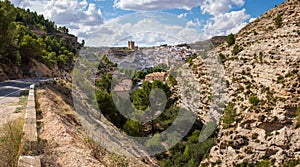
(11, 135)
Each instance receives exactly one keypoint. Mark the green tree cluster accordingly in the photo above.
(19, 43)
(230, 39)
(187, 152)
(229, 115)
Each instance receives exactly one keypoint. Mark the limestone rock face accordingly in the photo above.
(267, 69)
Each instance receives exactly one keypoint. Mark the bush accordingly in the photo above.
(253, 99)
(278, 21)
(230, 39)
(172, 80)
(10, 142)
(236, 49)
(221, 58)
(263, 163)
(229, 115)
(291, 163)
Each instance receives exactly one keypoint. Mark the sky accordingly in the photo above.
(149, 22)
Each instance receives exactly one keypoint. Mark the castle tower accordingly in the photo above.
(131, 45)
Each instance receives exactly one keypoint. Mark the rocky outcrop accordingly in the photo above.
(263, 81)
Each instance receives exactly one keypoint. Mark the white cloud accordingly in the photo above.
(146, 30)
(215, 7)
(81, 17)
(142, 5)
(238, 2)
(84, 18)
(21, 3)
(224, 24)
(182, 15)
(252, 19)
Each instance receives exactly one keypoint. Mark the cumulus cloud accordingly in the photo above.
(147, 29)
(81, 17)
(142, 5)
(215, 7)
(66, 12)
(21, 3)
(224, 24)
(84, 18)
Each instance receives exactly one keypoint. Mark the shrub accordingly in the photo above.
(263, 163)
(291, 163)
(278, 21)
(229, 115)
(10, 142)
(230, 39)
(236, 49)
(172, 80)
(253, 99)
(221, 58)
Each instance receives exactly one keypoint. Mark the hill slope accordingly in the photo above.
(32, 46)
(263, 77)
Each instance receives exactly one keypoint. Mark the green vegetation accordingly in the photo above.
(26, 35)
(142, 73)
(291, 163)
(263, 163)
(172, 80)
(236, 49)
(229, 115)
(230, 39)
(221, 58)
(253, 99)
(188, 152)
(278, 21)
(10, 142)
(22, 101)
(191, 58)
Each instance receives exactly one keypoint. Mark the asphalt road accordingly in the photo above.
(9, 98)
(12, 88)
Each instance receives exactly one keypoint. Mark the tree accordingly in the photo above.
(133, 128)
(236, 49)
(229, 115)
(230, 39)
(7, 29)
(278, 21)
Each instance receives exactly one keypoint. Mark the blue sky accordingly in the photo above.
(149, 21)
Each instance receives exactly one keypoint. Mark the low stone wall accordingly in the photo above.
(30, 139)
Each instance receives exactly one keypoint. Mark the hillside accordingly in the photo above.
(262, 71)
(64, 140)
(32, 46)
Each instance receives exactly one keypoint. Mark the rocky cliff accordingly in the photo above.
(262, 72)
